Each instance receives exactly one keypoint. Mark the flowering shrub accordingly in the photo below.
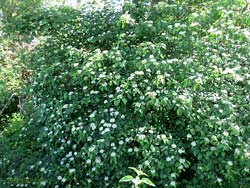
(164, 88)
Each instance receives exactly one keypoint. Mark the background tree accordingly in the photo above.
(10, 8)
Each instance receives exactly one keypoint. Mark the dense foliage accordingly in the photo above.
(163, 87)
(11, 8)
(9, 80)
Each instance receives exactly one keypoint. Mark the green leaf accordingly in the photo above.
(147, 181)
(126, 178)
(116, 102)
(179, 112)
(138, 172)
(124, 100)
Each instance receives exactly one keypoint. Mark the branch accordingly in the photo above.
(7, 104)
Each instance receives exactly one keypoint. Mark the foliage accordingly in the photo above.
(9, 80)
(137, 181)
(164, 88)
(8, 143)
(10, 8)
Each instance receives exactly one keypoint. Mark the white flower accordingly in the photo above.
(151, 94)
(219, 180)
(230, 163)
(193, 24)
(108, 124)
(72, 170)
(168, 159)
(112, 120)
(93, 126)
(98, 160)
(173, 146)
(212, 148)
(42, 169)
(59, 177)
(141, 129)
(147, 163)
(137, 104)
(180, 151)
(173, 175)
(237, 151)
(172, 183)
(246, 169)
(142, 97)
(113, 154)
(237, 128)
(114, 126)
(106, 178)
(130, 150)
(88, 161)
(164, 137)
(122, 116)
(127, 18)
(177, 25)
(121, 142)
(170, 27)
(182, 33)
(64, 180)
(225, 133)
(136, 149)
(193, 143)
(92, 148)
(182, 161)
(141, 136)
(152, 171)
(189, 136)
(43, 183)
(139, 72)
(92, 114)
(107, 130)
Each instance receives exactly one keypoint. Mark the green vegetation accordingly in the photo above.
(11, 8)
(137, 181)
(161, 86)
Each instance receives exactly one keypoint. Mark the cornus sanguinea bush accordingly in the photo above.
(163, 88)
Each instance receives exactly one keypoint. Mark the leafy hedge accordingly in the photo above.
(164, 88)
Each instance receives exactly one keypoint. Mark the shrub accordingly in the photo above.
(11, 157)
(164, 88)
(9, 80)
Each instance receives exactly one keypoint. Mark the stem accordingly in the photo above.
(6, 104)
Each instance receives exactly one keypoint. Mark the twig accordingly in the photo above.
(20, 105)
(6, 105)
